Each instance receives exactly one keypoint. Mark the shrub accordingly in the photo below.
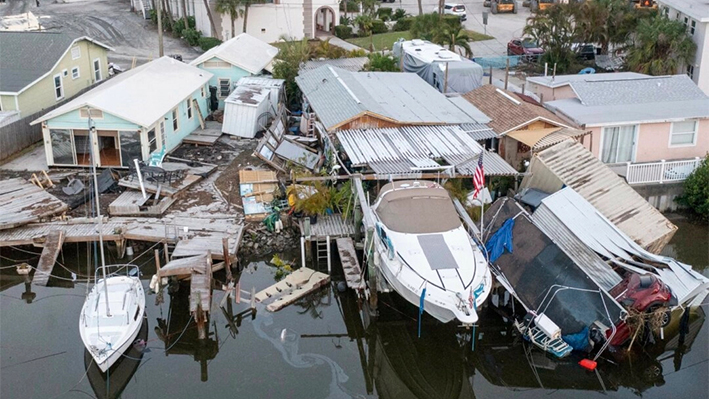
(208, 42)
(179, 25)
(398, 14)
(696, 190)
(343, 31)
(403, 24)
(382, 63)
(451, 20)
(192, 36)
(385, 13)
(378, 26)
(352, 6)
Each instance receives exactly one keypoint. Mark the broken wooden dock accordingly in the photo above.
(132, 203)
(293, 287)
(52, 246)
(207, 136)
(192, 174)
(350, 264)
(331, 226)
(22, 202)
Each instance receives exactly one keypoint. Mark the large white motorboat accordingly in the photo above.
(420, 243)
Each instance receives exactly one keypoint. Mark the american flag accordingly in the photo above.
(479, 176)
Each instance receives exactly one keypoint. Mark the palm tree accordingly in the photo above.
(365, 23)
(454, 36)
(215, 33)
(554, 29)
(230, 7)
(605, 22)
(661, 46)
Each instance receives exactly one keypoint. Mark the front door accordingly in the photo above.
(619, 143)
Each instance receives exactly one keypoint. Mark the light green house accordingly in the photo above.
(40, 69)
(243, 55)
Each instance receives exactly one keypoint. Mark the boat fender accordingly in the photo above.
(377, 260)
(588, 364)
(154, 283)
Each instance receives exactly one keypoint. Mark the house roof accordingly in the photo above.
(577, 168)
(645, 99)
(539, 139)
(563, 80)
(413, 149)
(697, 9)
(509, 110)
(142, 95)
(30, 56)
(243, 51)
(354, 64)
(338, 96)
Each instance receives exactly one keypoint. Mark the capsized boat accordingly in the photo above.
(112, 315)
(421, 243)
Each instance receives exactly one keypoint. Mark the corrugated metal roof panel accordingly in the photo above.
(478, 131)
(577, 168)
(354, 64)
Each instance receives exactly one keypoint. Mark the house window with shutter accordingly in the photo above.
(224, 85)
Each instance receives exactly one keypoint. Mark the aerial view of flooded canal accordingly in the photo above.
(318, 347)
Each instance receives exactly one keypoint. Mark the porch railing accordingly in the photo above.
(660, 172)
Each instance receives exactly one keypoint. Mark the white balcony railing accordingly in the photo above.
(660, 172)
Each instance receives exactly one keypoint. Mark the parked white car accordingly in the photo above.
(454, 9)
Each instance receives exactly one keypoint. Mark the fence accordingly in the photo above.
(660, 172)
(18, 135)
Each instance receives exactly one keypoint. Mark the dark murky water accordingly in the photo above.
(318, 348)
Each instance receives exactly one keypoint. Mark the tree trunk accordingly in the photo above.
(420, 8)
(184, 13)
(169, 13)
(211, 20)
(233, 18)
(246, 16)
(345, 8)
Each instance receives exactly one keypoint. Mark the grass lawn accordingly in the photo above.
(385, 41)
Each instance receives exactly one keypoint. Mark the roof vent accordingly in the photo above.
(445, 54)
(417, 42)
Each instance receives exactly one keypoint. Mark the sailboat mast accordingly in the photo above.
(98, 209)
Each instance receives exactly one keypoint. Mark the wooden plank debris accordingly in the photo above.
(350, 264)
(205, 136)
(329, 226)
(132, 203)
(55, 240)
(23, 202)
(192, 176)
(295, 286)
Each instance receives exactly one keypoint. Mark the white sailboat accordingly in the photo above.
(420, 243)
(113, 311)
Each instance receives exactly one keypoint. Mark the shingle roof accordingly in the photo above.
(647, 99)
(506, 113)
(142, 95)
(638, 91)
(244, 51)
(338, 95)
(27, 56)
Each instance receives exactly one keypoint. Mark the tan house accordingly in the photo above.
(40, 69)
(650, 129)
(523, 125)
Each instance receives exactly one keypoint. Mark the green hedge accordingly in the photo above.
(192, 36)
(352, 6)
(378, 26)
(385, 13)
(403, 24)
(208, 42)
(343, 31)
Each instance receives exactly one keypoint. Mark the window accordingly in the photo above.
(97, 70)
(692, 27)
(65, 73)
(75, 53)
(203, 91)
(224, 87)
(666, 11)
(188, 103)
(95, 113)
(153, 145)
(162, 133)
(175, 123)
(75, 72)
(58, 88)
(690, 71)
(618, 143)
(683, 134)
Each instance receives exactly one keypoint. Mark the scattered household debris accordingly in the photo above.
(276, 149)
(256, 188)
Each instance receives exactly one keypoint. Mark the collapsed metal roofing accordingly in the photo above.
(338, 96)
(568, 163)
(414, 149)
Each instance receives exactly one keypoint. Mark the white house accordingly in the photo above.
(269, 21)
(695, 16)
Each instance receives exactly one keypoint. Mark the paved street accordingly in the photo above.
(109, 22)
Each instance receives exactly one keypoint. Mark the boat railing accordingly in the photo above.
(115, 270)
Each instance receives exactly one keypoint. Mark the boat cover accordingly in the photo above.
(422, 210)
(544, 278)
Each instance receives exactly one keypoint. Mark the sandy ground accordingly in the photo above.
(110, 22)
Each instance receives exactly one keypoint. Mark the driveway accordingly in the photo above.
(109, 22)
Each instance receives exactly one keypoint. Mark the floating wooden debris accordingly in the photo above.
(295, 286)
(23, 202)
(350, 264)
(55, 240)
(132, 203)
(207, 136)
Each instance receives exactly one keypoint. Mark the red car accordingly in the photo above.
(526, 47)
(644, 293)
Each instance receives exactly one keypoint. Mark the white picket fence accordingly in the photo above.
(660, 172)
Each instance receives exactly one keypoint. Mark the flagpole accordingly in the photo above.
(482, 212)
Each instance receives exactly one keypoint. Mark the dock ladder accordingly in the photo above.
(322, 252)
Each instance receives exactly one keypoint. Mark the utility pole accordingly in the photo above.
(159, 11)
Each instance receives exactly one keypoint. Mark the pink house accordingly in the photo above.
(655, 127)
